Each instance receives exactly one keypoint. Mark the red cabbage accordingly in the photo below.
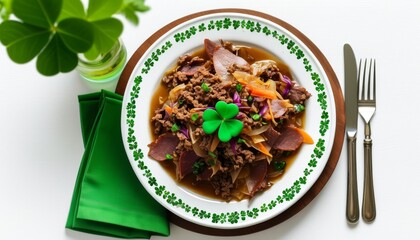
(263, 110)
(237, 99)
(184, 131)
(288, 82)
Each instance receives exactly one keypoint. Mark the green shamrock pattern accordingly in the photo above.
(290, 192)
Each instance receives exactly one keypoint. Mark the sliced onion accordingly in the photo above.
(199, 151)
(161, 100)
(234, 174)
(175, 92)
(191, 130)
(275, 174)
(245, 172)
(215, 141)
(238, 47)
(257, 138)
(286, 104)
(241, 191)
(259, 67)
(271, 85)
(242, 77)
(238, 195)
(258, 131)
(216, 168)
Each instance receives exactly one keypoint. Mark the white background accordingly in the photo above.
(41, 144)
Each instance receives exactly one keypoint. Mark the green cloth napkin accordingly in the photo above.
(108, 199)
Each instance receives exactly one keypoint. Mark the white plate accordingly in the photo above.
(251, 30)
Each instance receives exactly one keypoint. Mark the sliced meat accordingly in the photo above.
(257, 179)
(189, 70)
(223, 58)
(164, 144)
(277, 108)
(186, 162)
(210, 46)
(271, 135)
(289, 140)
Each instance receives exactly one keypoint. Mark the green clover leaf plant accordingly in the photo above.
(5, 8)
(56, 31)
(223, 120)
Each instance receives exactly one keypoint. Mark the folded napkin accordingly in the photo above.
(108, 199)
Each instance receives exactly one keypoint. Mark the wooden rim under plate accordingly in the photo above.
(339, 132)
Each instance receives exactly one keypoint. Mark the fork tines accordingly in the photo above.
(370, 94)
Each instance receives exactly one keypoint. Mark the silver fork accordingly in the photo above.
(367, 107)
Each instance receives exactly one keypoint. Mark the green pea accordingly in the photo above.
(175, 128)
(205, 87)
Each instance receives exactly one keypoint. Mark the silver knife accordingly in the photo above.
(350, 92)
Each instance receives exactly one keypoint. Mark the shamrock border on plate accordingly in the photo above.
(287, 194)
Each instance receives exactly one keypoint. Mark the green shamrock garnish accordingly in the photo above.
(224, 119)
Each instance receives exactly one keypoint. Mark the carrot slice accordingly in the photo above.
(263, 149)
(306, 137)
(257, 92)
(267, 116)
(168, 109)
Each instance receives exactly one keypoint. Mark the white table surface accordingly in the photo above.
(41, 144)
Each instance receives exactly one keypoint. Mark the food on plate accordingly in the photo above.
(227, 120)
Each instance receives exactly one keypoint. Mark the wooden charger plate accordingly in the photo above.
(338, 138)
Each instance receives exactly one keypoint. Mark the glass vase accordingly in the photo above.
(106, 68)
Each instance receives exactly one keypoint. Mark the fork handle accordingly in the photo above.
(352, 210)
(368, 205)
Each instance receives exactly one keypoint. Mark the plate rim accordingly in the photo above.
(339, 128)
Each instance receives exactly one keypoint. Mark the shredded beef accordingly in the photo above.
(222, 184)
(206, 142)
(271, 72)
(298, 94)
(243, 156)
(235, 67)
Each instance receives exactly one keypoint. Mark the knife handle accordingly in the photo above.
(352, 211)
(368, 205)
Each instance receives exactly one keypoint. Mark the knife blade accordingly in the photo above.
(350, 92)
